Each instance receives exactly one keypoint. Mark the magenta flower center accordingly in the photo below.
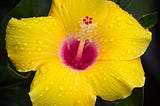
(77, 55)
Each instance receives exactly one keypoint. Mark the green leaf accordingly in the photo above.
(14, 96)
(14, 85)
(139, 8)
(135, 99)
(23, 9)
(148, 20)
(122, 3)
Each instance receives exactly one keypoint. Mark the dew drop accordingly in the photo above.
(24, 24)
(55, 105)
(22, 48)
(40, 42)
(44, 70)
(35, 83)
(61, 88)
(129, 51)
(118, 18)
(78, 101)
(30, 27)
(111, 40)
(25, 44)
(39, 49)
(110, 25)
(51, 83)
(18, 42)
(41, 95)
(130, 22)
(76, 83)
(46, 88)
(35, 21)
(101, 40)
(134, 43)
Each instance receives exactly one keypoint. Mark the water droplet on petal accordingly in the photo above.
(129, 51)
(111, 40)
(46, 88)
(44, 70)
(78, 101)
(25, 44)
(61, 88)
(22, 48)
(24, 24)
(51, 83)
(134, 43)
(39, 49)
(118, 18)
(40, 42)
(35, 83)
(130, 22)
(41, 95)
(30, 27)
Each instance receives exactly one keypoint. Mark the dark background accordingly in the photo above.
(150, 60)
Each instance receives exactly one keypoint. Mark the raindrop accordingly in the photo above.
(10, 38)
(29, 52)
(78, 101)
(134, 43)
(39, 49)
(55, 105)
(44, 70)
(118, 18)
(30, 27)
(103, 50)
(61, 88)
(46, 88)
(35, 83)
(24, 24)
(130, 22)
(111, 40)
(35, 21)
(41, 95)
(18, 42)
(22, 48)
(129, 51)
(40, 42)
(76, 83)
(102, 39)
(51, 83)
(136, 35)
(25, 44)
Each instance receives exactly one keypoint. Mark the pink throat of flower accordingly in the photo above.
(71, 57)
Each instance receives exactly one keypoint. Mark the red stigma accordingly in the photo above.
(87, 20)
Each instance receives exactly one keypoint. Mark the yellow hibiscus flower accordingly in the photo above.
(83, 49)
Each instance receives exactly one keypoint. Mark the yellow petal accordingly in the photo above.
(56, 84)
(71, 12)
(113, 80)
(32, 41)
(120, 35)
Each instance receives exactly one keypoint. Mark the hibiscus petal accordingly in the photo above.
(32, 41)
(56, 84)
(120, 35)
(117, 33)
(71, 12)
(113, 80)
